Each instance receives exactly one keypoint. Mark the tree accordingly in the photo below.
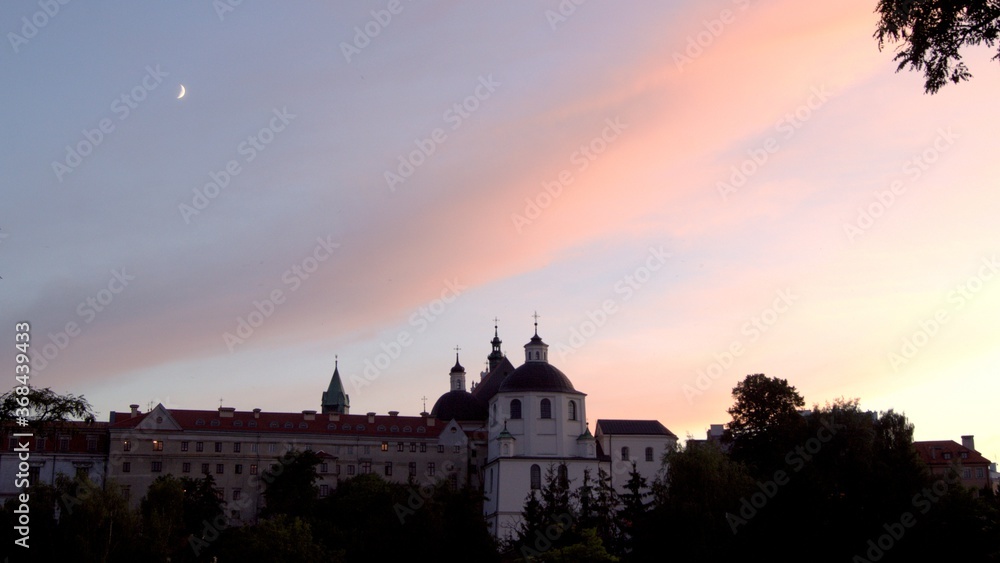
(933, 32)
(162, 511)
(291, 484)
(46, 407)
(765, 421)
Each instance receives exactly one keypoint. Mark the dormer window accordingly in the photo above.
(947, 455)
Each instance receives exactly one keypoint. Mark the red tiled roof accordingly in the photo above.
(285, 422)
(932, 452)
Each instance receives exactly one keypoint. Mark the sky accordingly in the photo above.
(685, 193)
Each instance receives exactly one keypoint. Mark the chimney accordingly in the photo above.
(393, 413)
(135, 409)
(334, 417)
(256, 413)
(309, 415)
(226, 412)
(969, 442)
(371, 418)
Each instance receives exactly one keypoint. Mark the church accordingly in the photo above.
(532, 417)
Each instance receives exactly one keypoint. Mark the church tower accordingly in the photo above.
(457, 376)
(334, 398)
(496, 356)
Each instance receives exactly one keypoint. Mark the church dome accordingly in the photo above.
(537, 376)
(459, 405)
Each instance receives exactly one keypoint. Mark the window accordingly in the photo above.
(204, 469)
(238, 469)
(324, 467)
(423, 448)
(253, 447)
(199, 446)
(271, 448)
(431, 469)
(238, 423)
(457, 449)
(157, 445)
(966, 473)
(218, 447)
(979, 473)
(219, 468)
(236, 494)
(388, 469)
(200, 422)
(350, 469)
(536, 477)
(303, 425)
(324, 491)
(252, 424)
(215, 422)
(82, 473)
(965, 455)
(289, 425)
(453, 481)
(336, 469)
(237, 446)
(368, 450)
(366, 467)
(563, 474)
(273, 424)
(572, 410)
(253, 468)
(440, 449)
(400, 447)
(413, 447)
(407, 429)
(394, 429)
(127, 493)
(385, 446)
(186, 467)
(515, 409)
(649, 454)
(185, 446)
(126, 445)
(947, 455)
(546, 408)
(350, 450)
(413, 469)
(381, 428)
(39, 443)
(126, 467)
(91, 443)
(625, 453)
(156, 467)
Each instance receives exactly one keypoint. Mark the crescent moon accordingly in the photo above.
(181, 95)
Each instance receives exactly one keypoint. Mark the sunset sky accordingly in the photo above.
(684, 188)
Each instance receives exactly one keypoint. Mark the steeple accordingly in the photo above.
(496, 356)
(536, 350)
(457, 374)
(334, 398)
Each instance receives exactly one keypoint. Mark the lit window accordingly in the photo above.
(385, 446)
(536, 477)
(157, 445)
(515, 409)
(546, 408)
(127, 446)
